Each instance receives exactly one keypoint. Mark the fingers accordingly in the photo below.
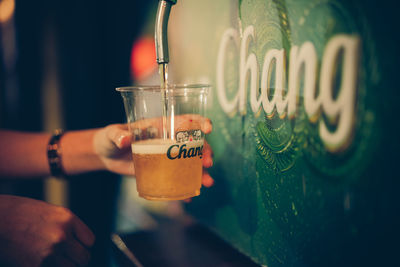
(207, 180)
(77, 253)
(185, 122)
(206, 126)
(70, 245)
(193, 122)
(207, 155)
(147, 123)
(119, 135)
(82, 233)
(67, 253)
(57, 260)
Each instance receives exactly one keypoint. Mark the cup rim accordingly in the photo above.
(173, 87)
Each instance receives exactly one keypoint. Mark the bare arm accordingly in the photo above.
(25, 154)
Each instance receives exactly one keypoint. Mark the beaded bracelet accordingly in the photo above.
(54, 154)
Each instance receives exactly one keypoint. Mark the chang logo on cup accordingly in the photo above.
(186, 150)
(173, 150)
(192, 145)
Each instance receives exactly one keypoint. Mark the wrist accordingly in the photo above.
(78, 153)
(54, 154)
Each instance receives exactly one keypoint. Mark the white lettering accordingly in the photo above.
(248, 67)
(227, 106)
(303, 61)
(306, 57)
(341, 110)
(277, 57)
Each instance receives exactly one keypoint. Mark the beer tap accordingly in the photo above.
(161, 29)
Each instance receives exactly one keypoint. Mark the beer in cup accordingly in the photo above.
(167, 139)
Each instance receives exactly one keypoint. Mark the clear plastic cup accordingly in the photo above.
(167, 138)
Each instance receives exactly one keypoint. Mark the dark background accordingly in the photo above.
(92, 41)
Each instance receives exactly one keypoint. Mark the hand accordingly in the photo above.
(112, 143)
(34, 233)
(207, 180)
(113, 146)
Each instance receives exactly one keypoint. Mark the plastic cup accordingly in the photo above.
(167, 138)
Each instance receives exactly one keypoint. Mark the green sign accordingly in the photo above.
(298, 115)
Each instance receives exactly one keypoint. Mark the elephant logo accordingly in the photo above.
(185, 136)
(182, 136)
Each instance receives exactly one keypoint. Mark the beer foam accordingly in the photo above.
(160, 146)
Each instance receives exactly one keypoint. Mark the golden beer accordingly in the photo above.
(166, 169)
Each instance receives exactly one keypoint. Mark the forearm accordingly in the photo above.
(78, 153)
(25, 154)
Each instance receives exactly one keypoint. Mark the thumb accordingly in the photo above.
(119, 135)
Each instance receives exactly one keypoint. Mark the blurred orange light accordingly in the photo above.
(143, 58)
(7, 8)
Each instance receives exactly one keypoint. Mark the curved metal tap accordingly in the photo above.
(161, 30)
